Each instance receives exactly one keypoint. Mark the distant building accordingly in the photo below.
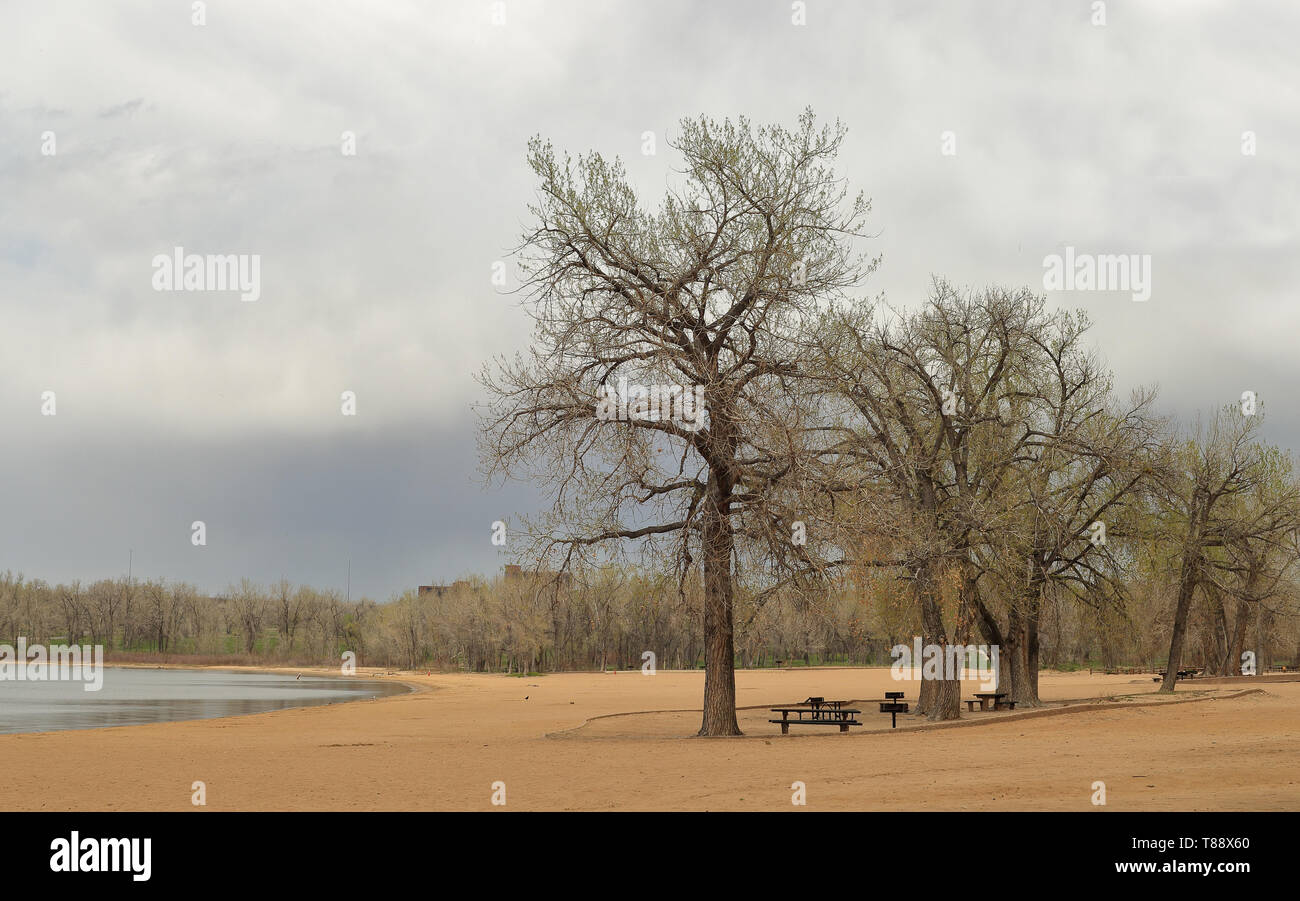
(440, 590)
(513, 575)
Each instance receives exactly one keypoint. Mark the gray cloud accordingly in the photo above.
(375, 268)
(129, 108)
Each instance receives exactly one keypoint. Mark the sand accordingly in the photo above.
(1224, 745)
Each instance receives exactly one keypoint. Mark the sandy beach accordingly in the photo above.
(623, 741)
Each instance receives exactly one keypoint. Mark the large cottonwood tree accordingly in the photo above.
(924, 448)
(715, 289)
(975, 445)
(1084, 459)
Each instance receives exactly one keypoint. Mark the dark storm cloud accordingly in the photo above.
(403, 503)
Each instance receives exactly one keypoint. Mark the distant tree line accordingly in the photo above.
(161, 619)
(605, 618)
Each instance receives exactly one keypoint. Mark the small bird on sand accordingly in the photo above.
(297, 677)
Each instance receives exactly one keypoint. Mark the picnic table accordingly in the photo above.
(1181, 674)
(984, 698)
(817, 711)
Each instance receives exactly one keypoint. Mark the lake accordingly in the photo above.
(132, 697)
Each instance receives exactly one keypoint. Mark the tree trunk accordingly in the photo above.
(1239, 638)
(719, 648)
(1186, 587)
(1025, 614)
(995, 637)
(939, 699)
(1027, 687)
(1217, 638)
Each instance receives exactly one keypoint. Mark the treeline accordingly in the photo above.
(605, 618)
(248, 622)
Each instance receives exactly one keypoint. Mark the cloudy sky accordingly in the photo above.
(376, 268)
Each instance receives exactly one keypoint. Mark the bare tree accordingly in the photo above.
(248, 608)
(1082, 462)
(1228, 499)
(76, 616)
(289, 607)
(635, 311)
(922, 449)
(109, 603)
(163, 611)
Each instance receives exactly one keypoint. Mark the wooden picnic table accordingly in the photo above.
(817, 712)
(1181, 674)
(984, 698)
(818, 703)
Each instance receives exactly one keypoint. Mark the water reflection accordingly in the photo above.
(131, 697)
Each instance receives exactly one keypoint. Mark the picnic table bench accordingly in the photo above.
(817, 712)
(984, 698)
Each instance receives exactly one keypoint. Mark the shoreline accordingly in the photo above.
(316, 672)
(406, 679)
(444, 746)
(272, 670)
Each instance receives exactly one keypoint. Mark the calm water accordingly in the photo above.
(131, 697)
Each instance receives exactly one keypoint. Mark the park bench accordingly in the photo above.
(817, 712)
